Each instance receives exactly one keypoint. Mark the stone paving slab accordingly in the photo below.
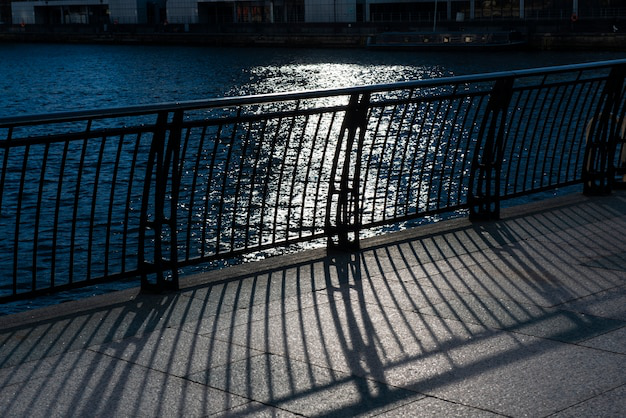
(538, 282)
(613, 341)
(345, 336)
(512, 374)
(175, 351)
(106, 386)
(555, 324)
(433, 407)
(303, 388)
(520, 317)
(609, 404)
(255, 409)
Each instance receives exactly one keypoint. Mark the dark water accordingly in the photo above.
(40, 78)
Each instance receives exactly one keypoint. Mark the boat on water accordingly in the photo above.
(447, 41)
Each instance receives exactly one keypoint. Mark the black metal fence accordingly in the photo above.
(107, 195)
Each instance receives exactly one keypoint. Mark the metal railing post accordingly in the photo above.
(604, 132)
(484, 192)
(162, 169)
(343, 191)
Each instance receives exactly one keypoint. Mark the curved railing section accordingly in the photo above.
(105, 195)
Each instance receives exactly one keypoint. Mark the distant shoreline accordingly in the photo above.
(536, 41)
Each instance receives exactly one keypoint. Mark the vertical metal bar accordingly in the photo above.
(240, 179)
(172, 164)
(392, 159)
(253, 179)
(595, 89)
(57, 208)
(156, 150)
(42, 179)
(307, 176)
(192, 196)
(518, 117)
(295, 178)
(116, 165)
(569, 142)
(18, 220)
(266, 181)
(467, 152)
(180, 167)
(131, 177)
(424, 143)
(81, 166)
(548, 111)
(405, 159)
(281, 174)
(94, 202)
(565, 122)
(446, 147)
(327, 141)
(461, 130)
(484, 193)
(370, 154)
(534, 135)
(446, 183)
(205, 220)
(183, 148)
(427, 136)
(224, 190)
(432, 153)
(520, 170)
(380, 173)
(550, 115)
(6, 144)
(620, 169)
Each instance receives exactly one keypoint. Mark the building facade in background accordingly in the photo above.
(87, 12)
(90, 12)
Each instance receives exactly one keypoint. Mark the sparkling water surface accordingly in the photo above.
(43, 78)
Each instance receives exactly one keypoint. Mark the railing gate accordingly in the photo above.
(484, 194)
(343, 228)
(162, 171)
(604, 132)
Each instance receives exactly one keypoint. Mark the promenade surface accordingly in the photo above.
(521, 317)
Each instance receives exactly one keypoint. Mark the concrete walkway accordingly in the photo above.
(520, 317)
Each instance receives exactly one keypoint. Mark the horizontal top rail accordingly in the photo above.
(138, 110)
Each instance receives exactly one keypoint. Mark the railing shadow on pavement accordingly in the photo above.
(465, 315)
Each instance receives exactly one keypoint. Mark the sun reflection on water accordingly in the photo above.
(328, 75)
